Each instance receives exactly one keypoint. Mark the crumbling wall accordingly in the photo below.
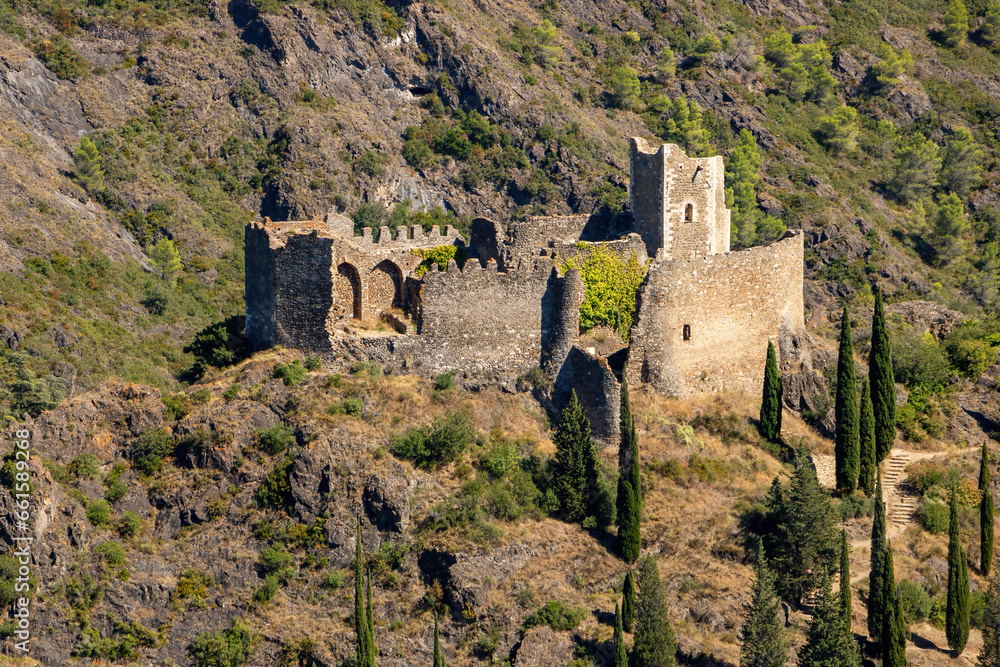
(597, 389)
(703, 324)
(259, 288)
(303, 291)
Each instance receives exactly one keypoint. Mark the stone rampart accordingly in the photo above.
(597, 389)
(703, 324)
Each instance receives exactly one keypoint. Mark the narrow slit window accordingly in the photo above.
(689, 213)
(687, 332)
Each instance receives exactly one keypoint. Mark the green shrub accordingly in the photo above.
(558, 616)
(333, 580)
(612, 284)
(500, 459)
(178, 406)
(116, 491)
(112, 553)
(292, 373)
(60, 57)
(232, 392)
(275, 491)
(933, 516)
(129, 525)
(923, 475)
(854, 507)
(202, 396)
(438, 255)
(371, 163)
(313, 363)
(275, 439)
(218, 345)
(150, 449)
(352, 406)
(444, 381)
(273, 560)
(226, 648)
(266, 592)
(85, 466)
(437, 444)
(99, 513)
(192, 586)
(915, 601)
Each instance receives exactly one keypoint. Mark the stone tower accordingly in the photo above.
(678, 203)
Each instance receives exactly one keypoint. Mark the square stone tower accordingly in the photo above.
(678, 203)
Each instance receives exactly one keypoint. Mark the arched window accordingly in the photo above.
(687, 332)
(689, 213)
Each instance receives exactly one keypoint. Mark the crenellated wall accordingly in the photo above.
(703, 324)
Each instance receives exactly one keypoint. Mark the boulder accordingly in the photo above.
(386, 499)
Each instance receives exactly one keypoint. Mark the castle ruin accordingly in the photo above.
(704, 314)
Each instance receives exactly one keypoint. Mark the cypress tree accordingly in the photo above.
(654, 645)
(628, 602)
(894, 629)
(575, 473)
(866, 435)
(845, 578)
(883, 383)
(370, 635)
(366, 657)
(438, 660)
(847, 446)
(770, 403)
(989, 655)
(629, 514)
(985, 515)
(957, 611)
(621, 657)
(829, 640)
(876, 593)
(762, 639)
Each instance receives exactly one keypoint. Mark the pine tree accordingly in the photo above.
(770, 405)
(829, 642)
(806, 541)
(990, 30)
(866, 436)
(989, 655)
(363, 631)
(956, 23)
(950, 228)
(621, 657)
(438, 659)
(655, 644)
(894, 625)
(89, 172)
(762, 639)
(847, 447)
(845, 578)
(985, 515)
(961, 163)
(742, 176)
(575, 473)
(167, 259)
(957, 610)
(547, 52)
(915, 174)
(883, 383)
(629, 514)
(628, 602)
(876, 578)
(666, 67)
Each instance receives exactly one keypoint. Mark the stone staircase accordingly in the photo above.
(901, 504)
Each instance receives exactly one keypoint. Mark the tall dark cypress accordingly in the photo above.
(770, 402)
(654, 644)
(621, 657)
(362, 630)
(985, 515)
(847, 446)
(629, 516)
(957, 610)
(370, 636)
(989, 655)
(438, 658)
(762, 638)
(894, 625)
(628, 602)
(845, 578)
(883, 382)
(866, 436)
(575, 473)
(876, 594)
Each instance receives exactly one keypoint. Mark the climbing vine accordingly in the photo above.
(612, 283)
(440, 256)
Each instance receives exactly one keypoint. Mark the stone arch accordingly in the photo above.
(347, 291)
(385, 287)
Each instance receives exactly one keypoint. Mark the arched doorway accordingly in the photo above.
(347, 291)
(385, 288)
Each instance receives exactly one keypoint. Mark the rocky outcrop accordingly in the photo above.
(542, 647)
(927, 316)
(387, 501)
(222, 429)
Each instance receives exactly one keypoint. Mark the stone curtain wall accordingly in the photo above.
(732, 305)
(303, 291)
(259, 288)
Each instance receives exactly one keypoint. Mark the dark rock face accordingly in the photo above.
(387, 501)
(232, 425)
(927, 316)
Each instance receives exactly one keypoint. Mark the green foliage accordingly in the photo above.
(918, 360)
(891, 65)
(629, 501)
(840, 130)
(129, 525)
(131, 636)
(371, 164)
(267, 590)
(933, 516)
(168, 260)
(989, 654)
(742, 176)
(845, 579)
(770, 405)
(444, 381)
(274, 560)
(894, 631)
(547, 52)
(876, 577)
(60, 57)
(378, 19)
(829, 640)
(950, 228)
(225, 648)
(916, 603)
(364, 625)
(611, 283)
(89, 172)
(847, 445)
(620, 655)
(628, 601)
(116, 491)
(762, 637)
(990, 29)
(883, 383)
(275, 491)
(666, 66)
(111, 553)
(679, 122)
(558, 616)
(957, 610)
(575, 471)
(654, 643)
(439, 255)
(779, 49)
(915, 171)
(866, 441)
(956, 24)
(961, 163)
(706, 47)
(150, 449)
(99, 513)
(985, 514)
(437, 444)
(291, 373)
(623, 86)
(275, 439)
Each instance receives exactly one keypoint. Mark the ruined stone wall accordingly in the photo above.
(259, 288)
(579, 252)
(303, 291)
(597, 389)
(647, 194)
(558, 338)
(703, 324)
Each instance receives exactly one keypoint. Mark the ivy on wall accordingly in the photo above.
(612, 283)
